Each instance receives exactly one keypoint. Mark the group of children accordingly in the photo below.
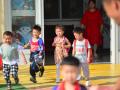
(71, 65)
(9, 50)
(81, 50)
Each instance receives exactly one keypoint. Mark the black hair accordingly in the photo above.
(60, 26)
(70, 60)
(94, 1)
(8, 33)
(78, 30)
(37, 27)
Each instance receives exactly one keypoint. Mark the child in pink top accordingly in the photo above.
(36, 53)
(62, 45)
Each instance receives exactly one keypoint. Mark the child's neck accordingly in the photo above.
(60, 36)
(8, 43)
(69, 86)
(35, 39)
(81, 39)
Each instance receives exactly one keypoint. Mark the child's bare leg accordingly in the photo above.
(58, 72)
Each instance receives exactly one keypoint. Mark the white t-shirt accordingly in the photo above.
(81, 50)
(9, 53)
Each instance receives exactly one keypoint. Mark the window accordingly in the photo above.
(51, 9)
(63, 9)
(23, 18)
(72, 9)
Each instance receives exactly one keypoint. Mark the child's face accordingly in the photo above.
(78, 36)
(70, 73)
(35, 33)
(91, 5)
(59, 32)
(7, 39)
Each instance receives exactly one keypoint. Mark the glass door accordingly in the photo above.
(23, 18)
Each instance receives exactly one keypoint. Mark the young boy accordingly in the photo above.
(82, 51)
(9, 53)
(36, 53)
(70, 71)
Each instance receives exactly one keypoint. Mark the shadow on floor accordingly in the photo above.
(103, 77)
(14, 87)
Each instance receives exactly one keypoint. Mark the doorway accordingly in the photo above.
(56, 12)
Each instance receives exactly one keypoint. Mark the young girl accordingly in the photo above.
(62, 45)
(37, 53)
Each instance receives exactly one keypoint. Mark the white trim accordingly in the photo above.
(23, 12)
(40, 14)
(8, 16)
(114, 43)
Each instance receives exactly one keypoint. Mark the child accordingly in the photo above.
(37, 53)
(9, 53)
(70, 71)
(82, 51)
(62, 45)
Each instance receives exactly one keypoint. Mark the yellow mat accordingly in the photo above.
(102, 74)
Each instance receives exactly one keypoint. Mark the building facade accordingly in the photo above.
(21, 15)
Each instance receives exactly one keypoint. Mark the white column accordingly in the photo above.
(40, 15)
(8, 15)
(114, 42)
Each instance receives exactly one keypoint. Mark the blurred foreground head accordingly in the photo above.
(100, 87)
(117, 85)
(112, 8)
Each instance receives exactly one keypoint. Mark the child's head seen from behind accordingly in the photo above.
(78, 33)
(59, 30)
(70, 69)
(7, 37)
(36, 31)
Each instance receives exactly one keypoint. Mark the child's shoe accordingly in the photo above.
(9, 86)
(33, 80)
(41, 72)
(16, 80)
(88, 83)
(57, 80)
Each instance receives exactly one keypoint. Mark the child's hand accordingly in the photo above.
(40, 53)
(89, 60)
(58, 45)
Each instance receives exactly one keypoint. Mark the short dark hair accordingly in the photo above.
(70, 60)
(60, 26)
(78, 30)
(37, 27)
(8, 33)
(94, 1)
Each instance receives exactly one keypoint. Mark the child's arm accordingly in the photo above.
(54, 44)
(73, 52)
(73, 45)
(89, 52)
(0, 51)
(26, 45)
(41, 48)
(68, 44)
(89, 58)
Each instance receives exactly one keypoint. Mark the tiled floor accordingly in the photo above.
(102, 74)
